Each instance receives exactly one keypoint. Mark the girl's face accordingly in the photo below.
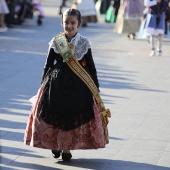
(70, 25)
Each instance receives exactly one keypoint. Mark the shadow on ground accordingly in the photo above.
(105, 164)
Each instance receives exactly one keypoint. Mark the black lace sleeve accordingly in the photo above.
(49, 63)
(91, 67)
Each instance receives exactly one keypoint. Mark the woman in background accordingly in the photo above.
(156, 23)
(87, 9)
(129, 17)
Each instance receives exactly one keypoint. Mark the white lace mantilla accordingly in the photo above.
(81, 46)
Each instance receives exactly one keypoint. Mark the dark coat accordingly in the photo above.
(159, 8)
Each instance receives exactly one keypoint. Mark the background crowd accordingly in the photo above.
(14, 12)
(126, 14)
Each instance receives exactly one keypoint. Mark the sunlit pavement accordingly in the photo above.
(133, 85)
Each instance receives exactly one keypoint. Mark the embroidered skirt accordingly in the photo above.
(129, 17)
(124, 25)
(39, 134)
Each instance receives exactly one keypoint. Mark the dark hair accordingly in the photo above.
(73, 12)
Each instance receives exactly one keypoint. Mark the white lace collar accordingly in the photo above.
(81, 46)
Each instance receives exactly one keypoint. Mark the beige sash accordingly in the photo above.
(75, 66)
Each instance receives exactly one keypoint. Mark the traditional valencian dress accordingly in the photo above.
(65, 115)
(129, 16)
(87, 10)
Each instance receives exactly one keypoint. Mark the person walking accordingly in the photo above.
(156, 23)
(88, 11)
(129, 17)
(3, 10)
(167, 19)
(68, 113)
(63, 4)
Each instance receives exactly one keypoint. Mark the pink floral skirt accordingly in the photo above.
(41, 135)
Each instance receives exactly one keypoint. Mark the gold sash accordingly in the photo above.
(75, 66)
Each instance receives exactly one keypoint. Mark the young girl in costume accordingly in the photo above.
(156, 23)
(65, 115)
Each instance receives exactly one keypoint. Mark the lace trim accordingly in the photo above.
(81, 46)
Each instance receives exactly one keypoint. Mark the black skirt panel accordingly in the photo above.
(66, 102)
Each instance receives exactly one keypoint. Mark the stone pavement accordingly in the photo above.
(133, 85)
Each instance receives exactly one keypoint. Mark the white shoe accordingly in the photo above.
(3, 29)
(152, 53)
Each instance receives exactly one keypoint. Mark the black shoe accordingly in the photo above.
(56, 154)
(66, 156)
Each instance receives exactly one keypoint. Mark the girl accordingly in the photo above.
(65, 115)
(156, 23)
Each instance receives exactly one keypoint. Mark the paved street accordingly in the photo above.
(135, 86)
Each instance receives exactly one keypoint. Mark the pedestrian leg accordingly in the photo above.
(159, 44)
(152, 44)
